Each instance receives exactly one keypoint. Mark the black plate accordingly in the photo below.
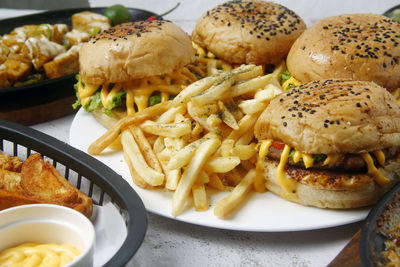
(392, 9)
(371, 242)
(50, 90)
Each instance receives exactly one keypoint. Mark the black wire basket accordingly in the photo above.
(86, 173)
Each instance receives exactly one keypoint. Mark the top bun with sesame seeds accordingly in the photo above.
(135, 50)
(248, 32)
(354, 46)
(333, 116)
(334, 143)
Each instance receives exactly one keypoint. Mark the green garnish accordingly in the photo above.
(290, 85)
(319, 157)
(285, 76)
(48, 30)
(95, 103)
(94, 31)
(154, 99)
(117, 14)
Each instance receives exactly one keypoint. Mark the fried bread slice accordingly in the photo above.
(40, 182)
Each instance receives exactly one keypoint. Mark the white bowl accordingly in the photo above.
(47, 223)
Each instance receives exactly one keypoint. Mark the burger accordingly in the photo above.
(331, 143)
(248, 32)
(355, 46)
(130, 66)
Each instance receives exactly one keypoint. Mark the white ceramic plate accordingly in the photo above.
(261, 212)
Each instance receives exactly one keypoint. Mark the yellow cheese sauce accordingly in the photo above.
(284, 181)
(378, 176)
(259, 181)
(41, 255)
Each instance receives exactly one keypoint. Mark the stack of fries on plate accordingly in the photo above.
(201, 139)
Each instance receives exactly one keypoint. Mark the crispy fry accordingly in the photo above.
(189, 176)
(219, 88)
(199, 197)
(107, 138)
(252, 106)
(246, 137)
(167, 129)
(151, 176)
(250, 86)
(222, 164)
(170, 114)
(225, 149)
(183, 157)
(194, 89)
(159, 145)
(227, 116)
(137, 179)
(216, 183)
(201, 113)
(233, 200)
(145, 148)
(246, 123)
(245, 152)
(203, 178)
(171, 177)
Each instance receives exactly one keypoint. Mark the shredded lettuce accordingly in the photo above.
(115, 102)
(285, 76)
(95, 100)
(319, 157)
(154, 99)
(290, 85)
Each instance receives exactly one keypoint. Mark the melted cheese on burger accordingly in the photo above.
(138, 91)
(289, 184)
(378, 176)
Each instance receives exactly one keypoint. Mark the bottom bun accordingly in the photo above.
(324, 189)
(106, 120)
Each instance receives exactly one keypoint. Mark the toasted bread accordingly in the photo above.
(40, 182)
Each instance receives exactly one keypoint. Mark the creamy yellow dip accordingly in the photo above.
(34, 254)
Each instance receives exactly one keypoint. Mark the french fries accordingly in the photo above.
(201, 139)
(228, 204)
(203, 152)
(131, 148)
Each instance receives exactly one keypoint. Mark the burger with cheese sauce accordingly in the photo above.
(248, 32)
(331, 143)
(130, 66)
(352, 46)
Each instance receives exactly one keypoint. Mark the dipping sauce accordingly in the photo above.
(34, 254)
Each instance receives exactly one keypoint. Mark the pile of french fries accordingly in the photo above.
(201, 139)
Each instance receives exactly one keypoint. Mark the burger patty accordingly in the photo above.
(346, 162)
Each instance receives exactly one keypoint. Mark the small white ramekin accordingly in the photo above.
(48, 223)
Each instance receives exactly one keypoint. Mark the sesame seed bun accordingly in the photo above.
(135, 50)
(355, 46)
(333, 117)
(248, 32)
(330, 116)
